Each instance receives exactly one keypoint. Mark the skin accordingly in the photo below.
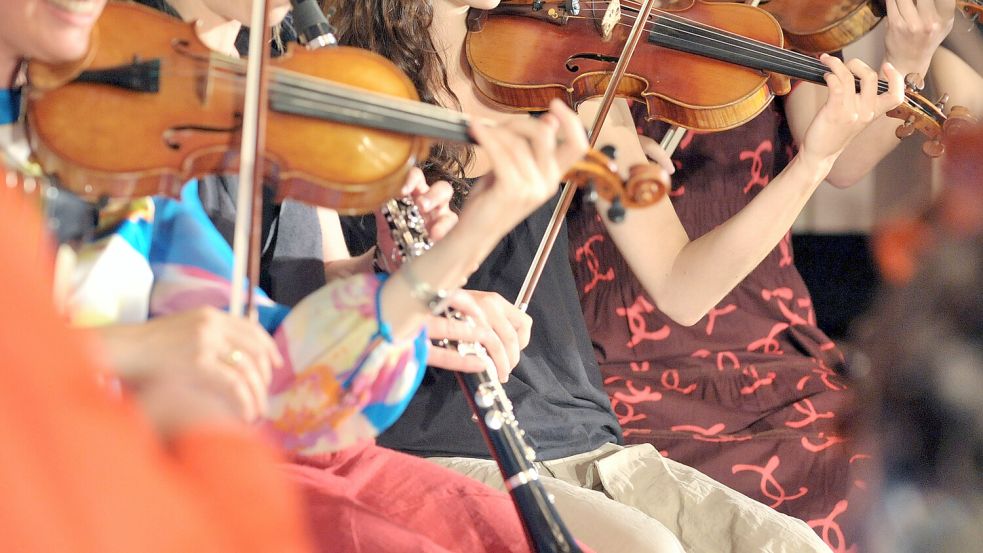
(199, 343)
(915, 29)
(43, 29)
(688, 277)
(952, 75)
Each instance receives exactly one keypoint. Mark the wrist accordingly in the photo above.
(815, 166)
(906, 65)
(120, 347)
(380, 262)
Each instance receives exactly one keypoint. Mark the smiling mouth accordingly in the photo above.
(80, 7)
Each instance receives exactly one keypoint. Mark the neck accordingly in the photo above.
(217, 32)
(448, 31)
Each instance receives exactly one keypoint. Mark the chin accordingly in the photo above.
(483, 4)
(277, 14)
(67, 47)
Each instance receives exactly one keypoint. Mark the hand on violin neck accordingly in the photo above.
(847, 112)
(528, 161)
(915, 29)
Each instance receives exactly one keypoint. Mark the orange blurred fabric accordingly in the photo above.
(83, 471)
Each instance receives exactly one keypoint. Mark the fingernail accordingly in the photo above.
(425, 204)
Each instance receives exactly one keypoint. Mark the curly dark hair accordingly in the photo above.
(400, 31)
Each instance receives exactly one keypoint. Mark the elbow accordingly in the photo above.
(685, 315)
(843, 179)
(841, 182)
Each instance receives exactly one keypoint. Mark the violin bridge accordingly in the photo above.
(612, 16)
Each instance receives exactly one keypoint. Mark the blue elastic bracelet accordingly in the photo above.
(9, 105)
(385, 330)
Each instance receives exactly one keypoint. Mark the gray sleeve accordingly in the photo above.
(292, 265)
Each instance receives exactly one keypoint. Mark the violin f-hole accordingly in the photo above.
(171, 136)
(572, 66)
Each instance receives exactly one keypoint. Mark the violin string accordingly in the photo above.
(755, 47)
(320, 86)
(296, 89)
(292, 82)
(793, 59)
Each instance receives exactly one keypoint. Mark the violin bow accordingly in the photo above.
(569, 188)
(249, 201)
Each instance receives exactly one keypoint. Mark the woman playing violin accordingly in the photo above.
(323, 400)
(556, 387)
(82, 468)
(742, 384)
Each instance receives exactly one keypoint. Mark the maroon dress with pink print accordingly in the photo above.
(750, 395)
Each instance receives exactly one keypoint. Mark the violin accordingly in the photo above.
(820, 26)
(702, 65)
(150, 107)
(814, 27)
(972, 9)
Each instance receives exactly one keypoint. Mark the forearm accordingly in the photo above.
(865, 152)
(446, 266)
(875, 142)
(346, 267)
(697, 274)
(122, 347)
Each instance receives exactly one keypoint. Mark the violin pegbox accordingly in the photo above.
(920, 114)
(598, 175)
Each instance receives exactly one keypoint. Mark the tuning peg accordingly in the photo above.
(914, 82)
(933, 148)
(942, 101)
(590, 193)
(610, 151)
(906, 129)
(616, 213)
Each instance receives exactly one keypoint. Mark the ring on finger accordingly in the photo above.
(234, 358)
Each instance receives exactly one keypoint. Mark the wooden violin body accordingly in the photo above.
(816, 26)
(152, 107)
(695, 67)
(569, 59)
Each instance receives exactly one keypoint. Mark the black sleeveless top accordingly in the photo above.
(556, 388)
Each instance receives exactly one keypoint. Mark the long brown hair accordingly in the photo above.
(400, 31)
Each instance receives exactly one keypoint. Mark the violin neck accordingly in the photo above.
(677, 33)
(341, 104)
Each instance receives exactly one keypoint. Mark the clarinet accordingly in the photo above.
(491, 407)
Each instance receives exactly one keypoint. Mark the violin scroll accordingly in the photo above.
(972, 9)
(918, 113)
(598, 174)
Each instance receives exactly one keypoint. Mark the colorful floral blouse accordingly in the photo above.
(344, 379)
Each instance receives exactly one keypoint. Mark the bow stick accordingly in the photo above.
(249, 201)
(566, 196)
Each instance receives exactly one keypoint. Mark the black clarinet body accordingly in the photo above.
(492, 410)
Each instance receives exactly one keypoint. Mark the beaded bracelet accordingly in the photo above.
(434, 300)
